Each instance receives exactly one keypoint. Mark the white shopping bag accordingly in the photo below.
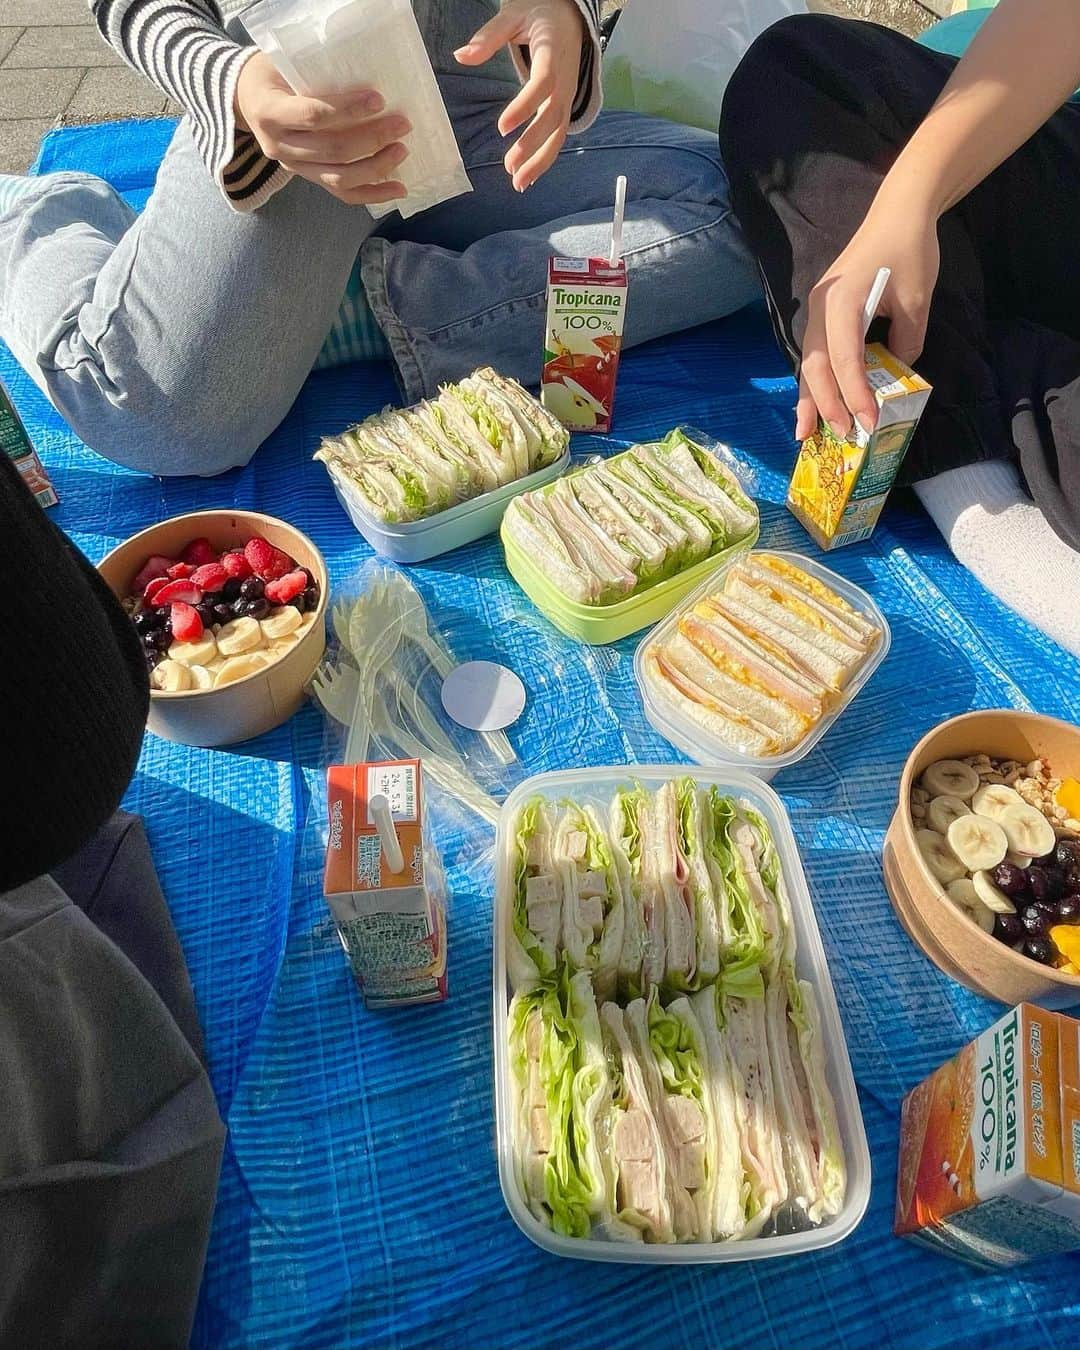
(673, 58)
(334, 46)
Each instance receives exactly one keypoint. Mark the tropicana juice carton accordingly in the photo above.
(391, 923)
(989, 1165)
(586, 309)
(838, 487)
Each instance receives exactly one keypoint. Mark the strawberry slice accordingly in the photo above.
(236, 565)
(152, 588)
(180, 571)
(209, 577)
(286, 588)
(183, 592)
(199, 552)
(186, 624)
(157, 565)
(259, 553)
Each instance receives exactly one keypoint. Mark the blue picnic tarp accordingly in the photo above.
(359, 1202)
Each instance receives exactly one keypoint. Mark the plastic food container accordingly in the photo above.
(694, 740)
(599, 786)
(417, 540)
(597, 624)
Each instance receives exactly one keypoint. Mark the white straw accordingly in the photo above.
(877, 290)
(384, 823)
(617, 221)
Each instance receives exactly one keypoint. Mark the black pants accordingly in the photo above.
(813, 119)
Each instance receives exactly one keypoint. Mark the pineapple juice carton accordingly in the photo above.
(392, 925)
(838, 487)
(989, 1165)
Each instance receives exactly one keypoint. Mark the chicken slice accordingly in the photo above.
(592, 883)
(632, 1137)
(639, 1188)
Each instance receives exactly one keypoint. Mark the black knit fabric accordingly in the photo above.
(74, 692)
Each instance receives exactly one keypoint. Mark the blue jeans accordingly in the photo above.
(175, 341)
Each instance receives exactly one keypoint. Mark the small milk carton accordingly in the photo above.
(586, 308)
(15, 443)
(392, 925)
(838, 487)
(990, 1145)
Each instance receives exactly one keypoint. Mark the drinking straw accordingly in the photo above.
(877, 290)
(384, 823)
(617, 221)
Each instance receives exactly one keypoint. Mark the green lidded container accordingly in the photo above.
(600, 624)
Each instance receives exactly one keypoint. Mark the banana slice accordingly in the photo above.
(171, 676)
(239, 667)
(950, 778)
(197, 653)
(307, 620)
(993, 897)
(965, 897)
(1020, 860)
(280, 622)
(994, 799)
(239, 635)
(942, 811)
(938, 856)
(978, 843)
(1026, 828)
(281, 645)
(201, 677)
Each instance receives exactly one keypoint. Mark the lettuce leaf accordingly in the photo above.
(527, 822)
(747, 947)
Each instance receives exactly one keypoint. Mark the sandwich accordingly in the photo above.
(614, 528)
(668, 1066)
(477, 435)
(759, 661)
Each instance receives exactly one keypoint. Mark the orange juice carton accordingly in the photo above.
(989, 1165)
(15, 443)
(383, 885)
(586, 307)
(838, 487)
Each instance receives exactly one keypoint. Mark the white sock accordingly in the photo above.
(1001, 536)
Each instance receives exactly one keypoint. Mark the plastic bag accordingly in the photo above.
(333, 46)
(673, 58)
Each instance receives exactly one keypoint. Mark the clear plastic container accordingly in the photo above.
(694, 740)
(598, 785)
(417, 540)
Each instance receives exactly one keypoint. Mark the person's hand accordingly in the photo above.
(553, 31)
(337, 141)
(832, 379)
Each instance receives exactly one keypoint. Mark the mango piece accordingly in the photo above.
(1068, 796)
(1066, 938)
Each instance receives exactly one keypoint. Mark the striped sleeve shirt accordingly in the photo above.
(184, 47)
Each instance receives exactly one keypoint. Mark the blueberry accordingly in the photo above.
(1008, 928)
(146, 622)
(299, 602)
(257, 609)
(252, 588)
(205, 612)
(311, 597)
(162, 638)
(310, 578)
(1040, 949)
(1067, 853)
(238, 607)
(1038, 882)
(1009, 878)
(1047, 860)
(231, 589)
(1035, 920)
(1068, 909)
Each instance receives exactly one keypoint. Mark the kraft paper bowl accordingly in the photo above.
(260, 701)
(955, 943)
